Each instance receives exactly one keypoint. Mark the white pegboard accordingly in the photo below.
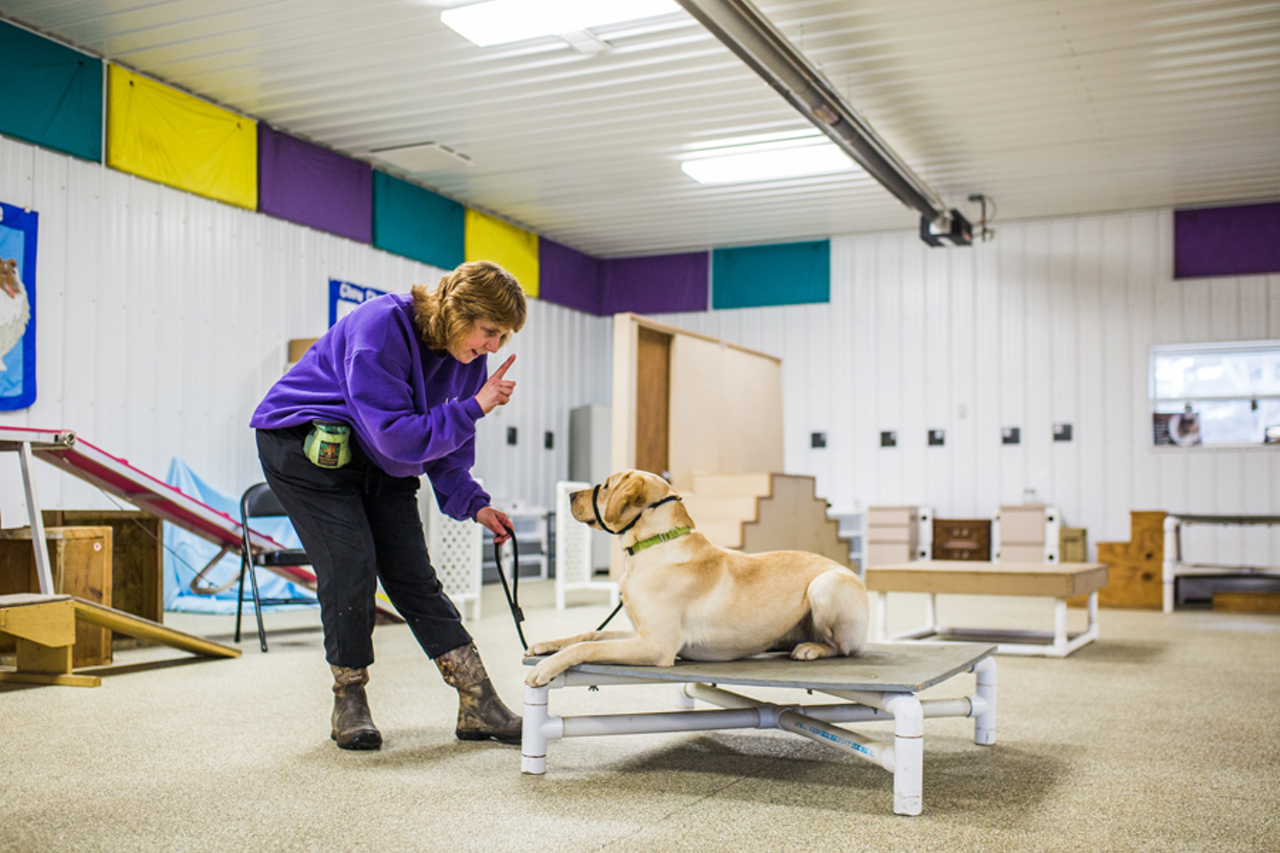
(456, 549)
(574, 569)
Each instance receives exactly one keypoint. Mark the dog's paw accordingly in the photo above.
(544, 648)
(810, 651)
(541, 675)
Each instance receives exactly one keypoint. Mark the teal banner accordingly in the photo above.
(416, 223)
(777, 274)
(50, 95)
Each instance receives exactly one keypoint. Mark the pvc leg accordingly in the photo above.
(931, 613)
(984, 727)
(683, 700)
(882, 615)
(1060, 626)
(1172, 554)
(533, 742)
(908, 752)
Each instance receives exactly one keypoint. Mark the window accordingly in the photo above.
(1216, 394)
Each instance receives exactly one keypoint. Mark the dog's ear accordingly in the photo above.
(628, 491)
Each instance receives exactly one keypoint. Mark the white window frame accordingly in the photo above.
(1166, 350)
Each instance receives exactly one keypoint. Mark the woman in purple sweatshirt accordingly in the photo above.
(391, 392)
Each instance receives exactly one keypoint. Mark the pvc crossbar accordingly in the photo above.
(903, 757)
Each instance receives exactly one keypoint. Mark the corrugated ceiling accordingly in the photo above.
(1050, 107)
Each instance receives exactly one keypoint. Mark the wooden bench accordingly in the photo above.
(1059, 581)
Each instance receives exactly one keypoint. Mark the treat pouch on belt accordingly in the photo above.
(328, 445)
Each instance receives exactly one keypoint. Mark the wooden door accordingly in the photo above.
(653, 401)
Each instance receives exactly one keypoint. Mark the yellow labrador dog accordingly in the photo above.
(689, 598)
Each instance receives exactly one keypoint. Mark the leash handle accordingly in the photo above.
(512, 592)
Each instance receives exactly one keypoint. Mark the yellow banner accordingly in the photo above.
(489, 239)
(159, 133)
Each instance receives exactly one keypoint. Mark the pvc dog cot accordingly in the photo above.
(880, 684)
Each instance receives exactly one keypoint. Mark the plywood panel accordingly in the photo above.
(750, 417)
(697, 420)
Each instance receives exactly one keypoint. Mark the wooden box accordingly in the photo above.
(1022, 525)
(961, 539)
(80, 562)
(888, 553)
(1073, 545)
(1247, 602)
(892, 535)
(137, 556)
(892, 516)
(1010, 553)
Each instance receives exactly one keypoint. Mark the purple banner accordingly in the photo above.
(1224, 241)
(656, 284)
(568, 277)
(314, 186)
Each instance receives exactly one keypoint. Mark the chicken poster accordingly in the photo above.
(17, 307)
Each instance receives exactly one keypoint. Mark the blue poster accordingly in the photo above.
(344, 296)
(17, 307)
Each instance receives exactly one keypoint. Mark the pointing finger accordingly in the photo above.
(502, 371)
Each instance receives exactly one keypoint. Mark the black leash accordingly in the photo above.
(513, 599)
(512, 591)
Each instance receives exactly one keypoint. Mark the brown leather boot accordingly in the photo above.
(353, 727)
(481, 713)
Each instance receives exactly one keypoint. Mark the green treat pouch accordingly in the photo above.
(328, 445)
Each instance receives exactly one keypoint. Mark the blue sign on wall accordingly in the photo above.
(344, 296)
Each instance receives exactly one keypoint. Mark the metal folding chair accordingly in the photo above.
(260, 502)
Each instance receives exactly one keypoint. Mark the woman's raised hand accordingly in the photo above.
(498, 389)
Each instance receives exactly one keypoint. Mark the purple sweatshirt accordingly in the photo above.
(412, 409)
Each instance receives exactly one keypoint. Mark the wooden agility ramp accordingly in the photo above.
(44, 630)
(115, 476)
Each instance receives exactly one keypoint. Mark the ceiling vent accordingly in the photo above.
(422, 157)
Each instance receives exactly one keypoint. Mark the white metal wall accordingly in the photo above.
(1049, 323)
(162, 319)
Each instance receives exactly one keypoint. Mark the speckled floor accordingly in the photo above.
(1164, 735)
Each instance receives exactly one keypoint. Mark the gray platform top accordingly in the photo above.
(882, 667)
(1200, 518)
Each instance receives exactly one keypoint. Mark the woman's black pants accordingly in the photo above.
(358, 524)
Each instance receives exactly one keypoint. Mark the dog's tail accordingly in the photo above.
(838, 607)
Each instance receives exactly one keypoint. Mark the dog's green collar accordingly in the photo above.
(659, 539)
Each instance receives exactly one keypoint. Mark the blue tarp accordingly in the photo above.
(185, 553)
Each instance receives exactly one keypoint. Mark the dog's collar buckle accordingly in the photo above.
(675, 533)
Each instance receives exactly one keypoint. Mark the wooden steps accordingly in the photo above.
(1136, 567)
(755, 513)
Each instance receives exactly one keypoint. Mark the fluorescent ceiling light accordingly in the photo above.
(747, 163)
(502, 21)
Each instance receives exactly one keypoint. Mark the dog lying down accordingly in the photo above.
(689, 598)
